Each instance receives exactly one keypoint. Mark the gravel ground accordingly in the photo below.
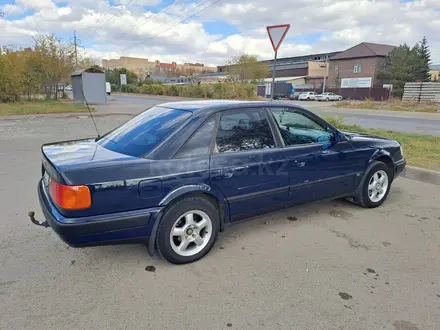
(323, 266)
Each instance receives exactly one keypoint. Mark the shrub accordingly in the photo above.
(130, 89)
(216, 91)
(115, 87)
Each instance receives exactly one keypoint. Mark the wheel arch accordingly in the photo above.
(383, 156)
(204, 191)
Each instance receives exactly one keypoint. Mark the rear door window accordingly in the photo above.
(243, 130)
(140, 135)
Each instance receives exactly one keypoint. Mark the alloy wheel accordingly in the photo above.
(191, 233)
(378, 186)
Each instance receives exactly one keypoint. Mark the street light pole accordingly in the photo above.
(325, 74)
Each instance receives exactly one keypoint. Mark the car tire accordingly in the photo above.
(340, 99)
(179, 226)
(375, 186)
(308, 99)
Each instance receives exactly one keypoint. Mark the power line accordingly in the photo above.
(149, 19)
(203, 9)
(99, 27)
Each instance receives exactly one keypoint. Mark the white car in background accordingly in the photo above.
(328, 97)
(307, 96)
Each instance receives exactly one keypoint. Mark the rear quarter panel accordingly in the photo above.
(136, 184)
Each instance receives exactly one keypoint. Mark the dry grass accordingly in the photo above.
(419, 150)
(39, 107)
(391, 105)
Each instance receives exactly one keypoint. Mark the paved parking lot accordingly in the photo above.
(324, 266)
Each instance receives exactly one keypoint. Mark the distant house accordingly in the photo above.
(435, 72)
(361, 62)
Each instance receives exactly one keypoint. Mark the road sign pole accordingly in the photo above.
(272, 88)
(276, 35)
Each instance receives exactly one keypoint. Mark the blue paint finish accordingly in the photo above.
(150, 188)
(130, 192)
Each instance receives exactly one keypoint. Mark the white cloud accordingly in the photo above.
(36, 4)
(127, 30)
(11, 10)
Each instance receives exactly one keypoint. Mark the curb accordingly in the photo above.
(421, 174)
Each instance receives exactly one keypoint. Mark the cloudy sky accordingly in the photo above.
(213, 31)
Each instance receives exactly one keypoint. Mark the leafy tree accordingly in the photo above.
(53, 62)
(114, 78)
(422, 70)
(406, 64)
(246, 67)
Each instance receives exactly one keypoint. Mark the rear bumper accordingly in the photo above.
(116, 228)
(399, 166)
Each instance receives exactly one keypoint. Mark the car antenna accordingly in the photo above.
(90, 111)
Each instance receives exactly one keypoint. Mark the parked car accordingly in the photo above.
(328, 97)
(176, 175)
(68, 88)
(307, 96)
(294, 96)
(108, 88)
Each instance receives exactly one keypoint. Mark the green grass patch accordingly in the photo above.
(419, 149)
(39, 107)
(391, 105)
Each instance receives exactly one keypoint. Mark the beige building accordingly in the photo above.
(144, 66)
(435, 72)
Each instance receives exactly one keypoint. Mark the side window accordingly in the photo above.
(242, 130)
(296, 128)
(199, 143)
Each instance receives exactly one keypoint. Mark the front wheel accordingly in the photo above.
(340, 99)
(188, 230)
(375, 185)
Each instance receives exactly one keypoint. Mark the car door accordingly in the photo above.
(320, 166)
(246, 165)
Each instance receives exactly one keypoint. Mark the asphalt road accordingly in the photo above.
(324, 266)
(422, 123)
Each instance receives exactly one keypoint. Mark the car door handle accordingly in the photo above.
(229, 172)
(300, 163)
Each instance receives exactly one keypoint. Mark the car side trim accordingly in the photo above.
(333, 178)
(257, 194)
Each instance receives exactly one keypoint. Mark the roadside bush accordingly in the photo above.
(216, 91)
(130, 89)
(115, 87)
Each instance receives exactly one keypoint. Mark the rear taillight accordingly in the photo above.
(70, 197)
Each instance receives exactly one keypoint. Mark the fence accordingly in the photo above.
(422, 92)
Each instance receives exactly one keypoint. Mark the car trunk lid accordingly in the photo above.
(59, 157)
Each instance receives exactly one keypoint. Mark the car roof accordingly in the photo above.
(217, 105)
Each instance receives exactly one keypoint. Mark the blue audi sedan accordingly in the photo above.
(177, 174)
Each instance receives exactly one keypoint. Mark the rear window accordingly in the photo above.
(141, 134)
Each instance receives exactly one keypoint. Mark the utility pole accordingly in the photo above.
(325, 74)
(76, 51)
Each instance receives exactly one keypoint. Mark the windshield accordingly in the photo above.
(141, 134)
